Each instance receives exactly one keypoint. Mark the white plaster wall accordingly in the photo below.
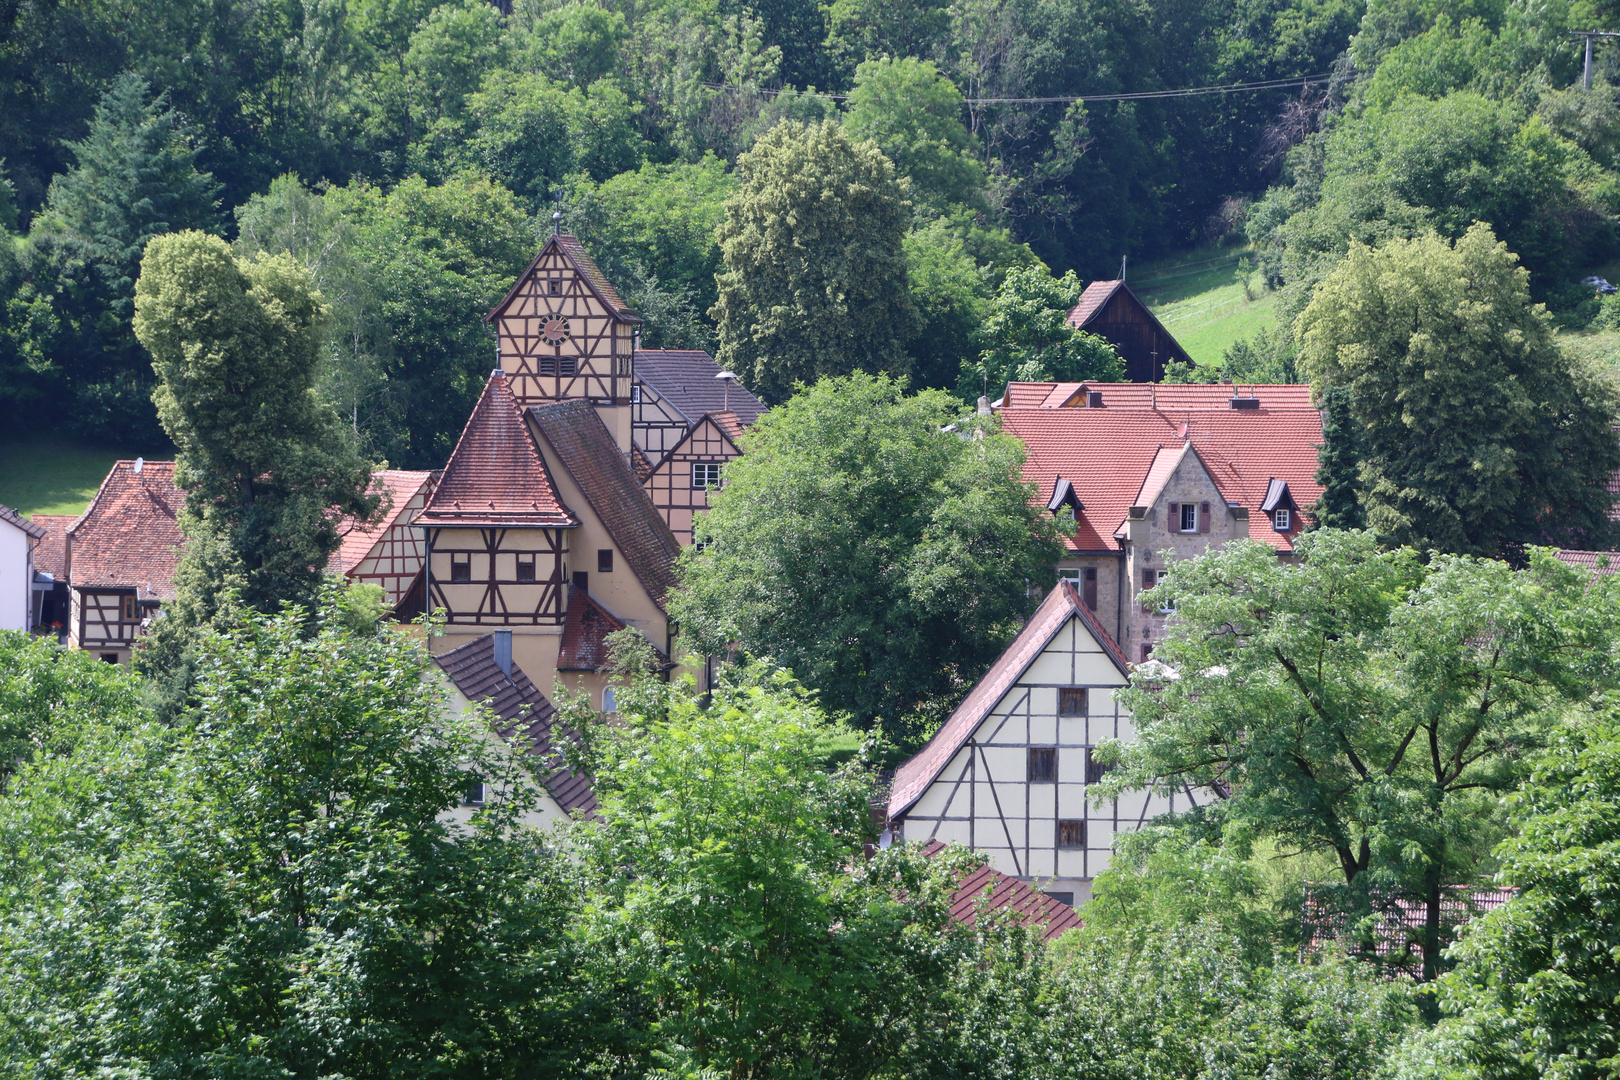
(16, 577)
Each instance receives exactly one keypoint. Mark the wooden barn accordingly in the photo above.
(1114, 313)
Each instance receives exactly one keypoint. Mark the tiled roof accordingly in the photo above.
(1096, 295)
(11, 517)
(686, 379)
(1599, 562)
(1107, 455)
(730, 423)
(912, 778)
(639, 463)
(997, 892)
(582, 442)
(399, 487)
(129, 538)
(51, 554)
(576, 254)
(519, 709)
(591, 272)
(1166, 397)
(496, 475)
(585, 630)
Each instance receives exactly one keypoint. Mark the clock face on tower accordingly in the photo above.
(554, 330)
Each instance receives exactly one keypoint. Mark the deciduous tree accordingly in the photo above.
(1027, 336)
(1475, 432)
(815, 276)
(867, 542)
(1363, 703)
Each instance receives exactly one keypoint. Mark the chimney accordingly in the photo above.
(503, 651)
(1094, 399)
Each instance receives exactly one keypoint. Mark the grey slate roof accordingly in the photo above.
(686, 379)
(520, 709)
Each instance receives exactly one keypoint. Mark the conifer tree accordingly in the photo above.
(815, 276)
(135, 177)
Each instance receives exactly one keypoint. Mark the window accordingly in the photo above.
(525, 569)
(609, 704)
(461, 568)
(1280, 518)
(1088, 588)
(1189, 517)
(1061, 897)
(604, 560)
(1095, 770)
(1147, 651)
(559, 365)
(1043, 764)
(583, 580)
(109, 658)
(1071, 833)
(129, 609)
(635, 393)
(1150, 578)
(554, 286)
(705, 474)
(1071, 701)
(474, 795)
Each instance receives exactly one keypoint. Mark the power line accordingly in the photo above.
(1139, 95)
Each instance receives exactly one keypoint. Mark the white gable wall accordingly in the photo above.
(16, 577)
(984, 798)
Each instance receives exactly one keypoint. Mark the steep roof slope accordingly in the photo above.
(26, 525)
(586, 449)
(573, 251)
(496, 475)
(998, 893)
(1107, 454)
(399, 486)
(129, 536)
(912, 778)
(686, 379)
(520, 710)
(51, 553)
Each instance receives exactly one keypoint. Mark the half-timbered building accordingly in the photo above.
(1012, 772)
(120, 557)
(1114, 313)
(539, 526)
(681, 482)
(1149, 474)
(676, 388)
(390, 552)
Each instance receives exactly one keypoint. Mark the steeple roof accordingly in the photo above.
(496, 476)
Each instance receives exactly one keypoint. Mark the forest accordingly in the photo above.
(412, 155)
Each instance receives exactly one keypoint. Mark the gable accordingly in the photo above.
(1061, 610)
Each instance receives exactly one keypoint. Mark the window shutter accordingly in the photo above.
(1175, 517)
(1203, 517)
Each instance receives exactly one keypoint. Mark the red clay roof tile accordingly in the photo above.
(129, 537)
(996, 892)
(399, 487)
(586, 449)
(496, 476)
(51, 553)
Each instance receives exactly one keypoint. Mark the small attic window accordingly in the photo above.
(1282, 519)
(554, 286)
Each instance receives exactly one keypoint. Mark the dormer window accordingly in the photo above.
(1279, 503)
(1281, 519)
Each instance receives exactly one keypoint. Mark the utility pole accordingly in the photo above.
(1586, 78)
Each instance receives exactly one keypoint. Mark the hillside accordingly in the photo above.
(1197, 296)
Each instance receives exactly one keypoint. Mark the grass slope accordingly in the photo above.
(1197, 297)
(55, 476)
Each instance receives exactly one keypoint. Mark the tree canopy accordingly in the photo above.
(815, 275)
(877, 544)
(1363, 703)
(1474, 432)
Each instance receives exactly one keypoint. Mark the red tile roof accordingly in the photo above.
(1107, 454)
(1166, 397)
(129, 537)
(639, 463)
(1096, 295)
(519, 709)
(29, 528)
(914, 776)
(593, 460)
(398, 487)
(991, 890)
(496, 476)
(585, 631)
(730, 423)
(1599, 562)
(51, 553)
